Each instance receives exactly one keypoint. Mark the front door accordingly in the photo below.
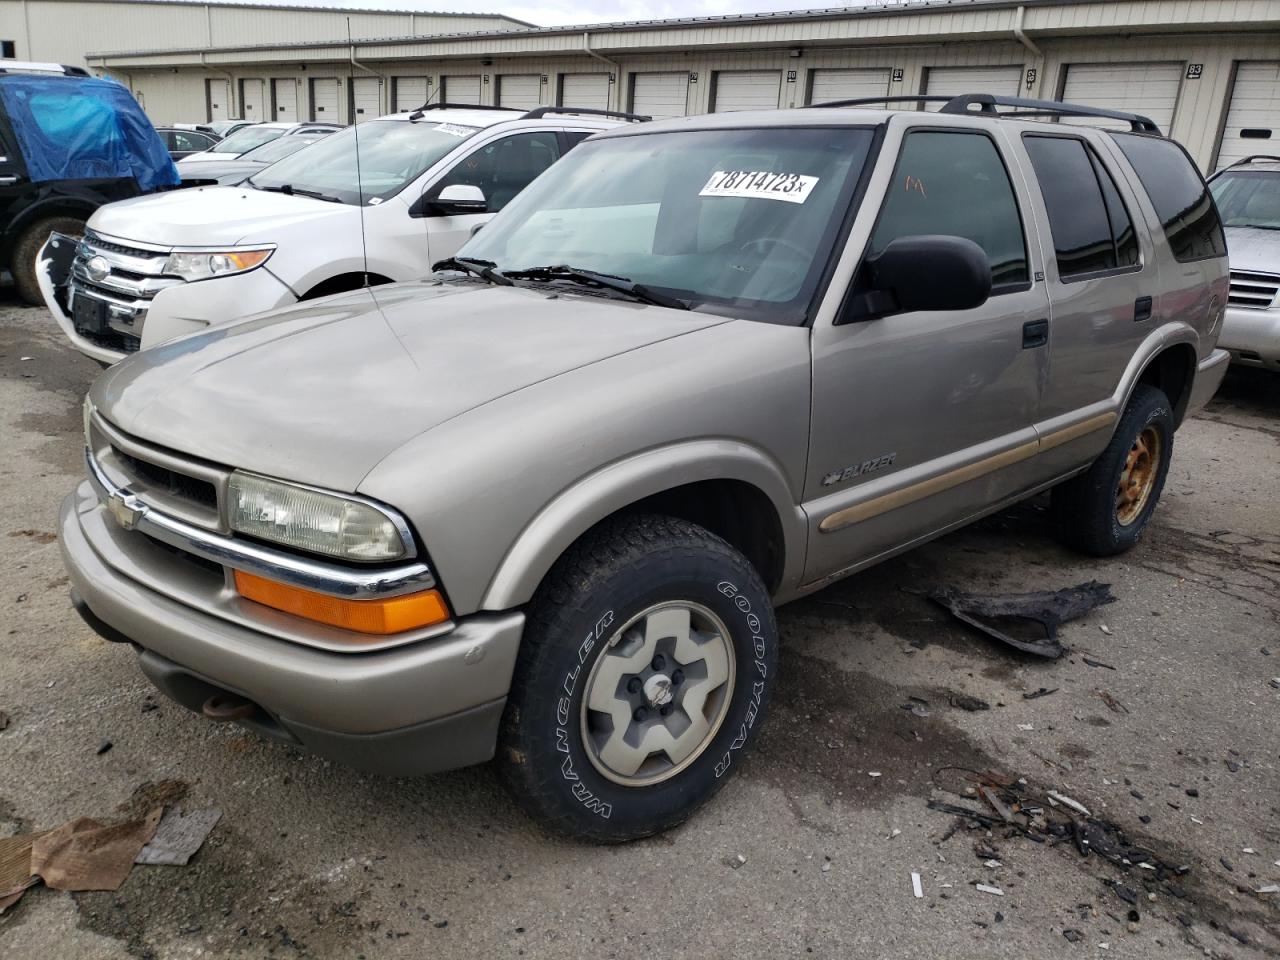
(500, 168)
(921, 420)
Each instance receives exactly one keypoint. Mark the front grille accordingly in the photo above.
(1254, 291)
(116, 299)
(176, 484)
(99, 243)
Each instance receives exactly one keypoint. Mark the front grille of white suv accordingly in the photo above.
(1254, 291)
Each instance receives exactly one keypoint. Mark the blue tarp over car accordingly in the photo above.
(79, 128)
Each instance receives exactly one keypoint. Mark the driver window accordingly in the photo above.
(955, 184)
(505, 167)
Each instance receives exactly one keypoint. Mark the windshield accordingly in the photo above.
(278, 149)
(393, 153)
(736, 222)
(246, 139)
(1248, 198)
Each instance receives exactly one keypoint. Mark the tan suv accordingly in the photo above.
(544, 503)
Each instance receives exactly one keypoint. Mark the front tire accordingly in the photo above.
(1103, 511)
(22, 262)
(644, 674)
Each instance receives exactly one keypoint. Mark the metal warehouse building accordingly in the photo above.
(1208, 71)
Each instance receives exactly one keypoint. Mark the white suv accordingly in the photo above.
(162, 266)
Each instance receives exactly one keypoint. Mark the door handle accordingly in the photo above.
(1142, 309)
(7, 181)
(1035, 333)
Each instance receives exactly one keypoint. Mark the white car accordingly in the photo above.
(151, 269)
(251, 136)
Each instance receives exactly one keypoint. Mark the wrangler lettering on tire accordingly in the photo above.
(645, 670)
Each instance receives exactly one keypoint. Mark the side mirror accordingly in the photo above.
(459, 198)
(926, 273)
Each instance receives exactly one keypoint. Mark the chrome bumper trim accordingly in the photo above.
(277, 565)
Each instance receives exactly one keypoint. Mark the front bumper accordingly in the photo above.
(159, 310)
(1252, 337)
(416, 708)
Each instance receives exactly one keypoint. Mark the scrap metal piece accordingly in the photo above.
(178, 837)
(1026, 621)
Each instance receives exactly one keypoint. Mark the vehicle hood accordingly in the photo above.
(204, 216)
(321, 392)
(1253, 248)
(224, 171)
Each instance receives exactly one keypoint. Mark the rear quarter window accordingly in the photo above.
(1181, 199)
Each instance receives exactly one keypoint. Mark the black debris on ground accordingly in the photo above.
(1025, 621)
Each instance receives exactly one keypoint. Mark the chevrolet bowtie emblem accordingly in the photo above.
(126, 509)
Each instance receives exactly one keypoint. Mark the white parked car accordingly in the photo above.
(251, 136)
(174, 263)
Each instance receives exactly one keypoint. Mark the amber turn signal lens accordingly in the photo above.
(389, 615)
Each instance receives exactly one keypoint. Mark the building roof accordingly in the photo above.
(313, 8)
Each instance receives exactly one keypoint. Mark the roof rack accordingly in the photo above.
(987, 103)
(22, 66)
(1264, 157)
(537, 113)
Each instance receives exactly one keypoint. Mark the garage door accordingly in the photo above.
(365, 98)
(284, 94)
(589, 90)
(521, 91)
(460, 89)
(746, 90)
(218, 97)
(252, 102)
(953, 81)
(1150, 89)
(324, 100)
(1253, 118)
(410, 93)
(828, 85)
(660, 95)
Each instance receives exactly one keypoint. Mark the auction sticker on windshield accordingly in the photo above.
(456, 129)
(760, 184)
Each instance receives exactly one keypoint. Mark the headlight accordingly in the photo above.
(204, 265)
(314, 521)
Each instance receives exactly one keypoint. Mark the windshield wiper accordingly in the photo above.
(289, 190)
(623, 285)
(484, 269)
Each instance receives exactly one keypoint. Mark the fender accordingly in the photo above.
(1167, 335)
(598, 495)
(53, 205)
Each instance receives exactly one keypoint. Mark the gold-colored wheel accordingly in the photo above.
(1138, 478)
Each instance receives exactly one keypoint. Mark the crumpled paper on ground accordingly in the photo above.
(87, 855)
(178, 837)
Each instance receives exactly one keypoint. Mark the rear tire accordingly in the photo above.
(1103, 511)
(649, 629)
(22, 262)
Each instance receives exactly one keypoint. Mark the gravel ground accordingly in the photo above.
(312, 859)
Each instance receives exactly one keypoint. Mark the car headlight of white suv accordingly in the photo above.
(207, 264)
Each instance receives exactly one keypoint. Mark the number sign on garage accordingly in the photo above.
(519, 91)
(1253, 117)
(828, 85)
(252, 101)
(460, 89)
(660, 95)
(324, 99)
(589, 90)
(410, 93)
(1149, 89)
(954, 81)
(746, 90)
(284, 94)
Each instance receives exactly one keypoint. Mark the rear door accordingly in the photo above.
(1101, 273)
(924, 419)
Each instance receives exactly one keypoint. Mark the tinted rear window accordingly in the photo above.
(1179, 194)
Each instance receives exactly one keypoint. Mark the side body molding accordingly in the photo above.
(596, 496)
